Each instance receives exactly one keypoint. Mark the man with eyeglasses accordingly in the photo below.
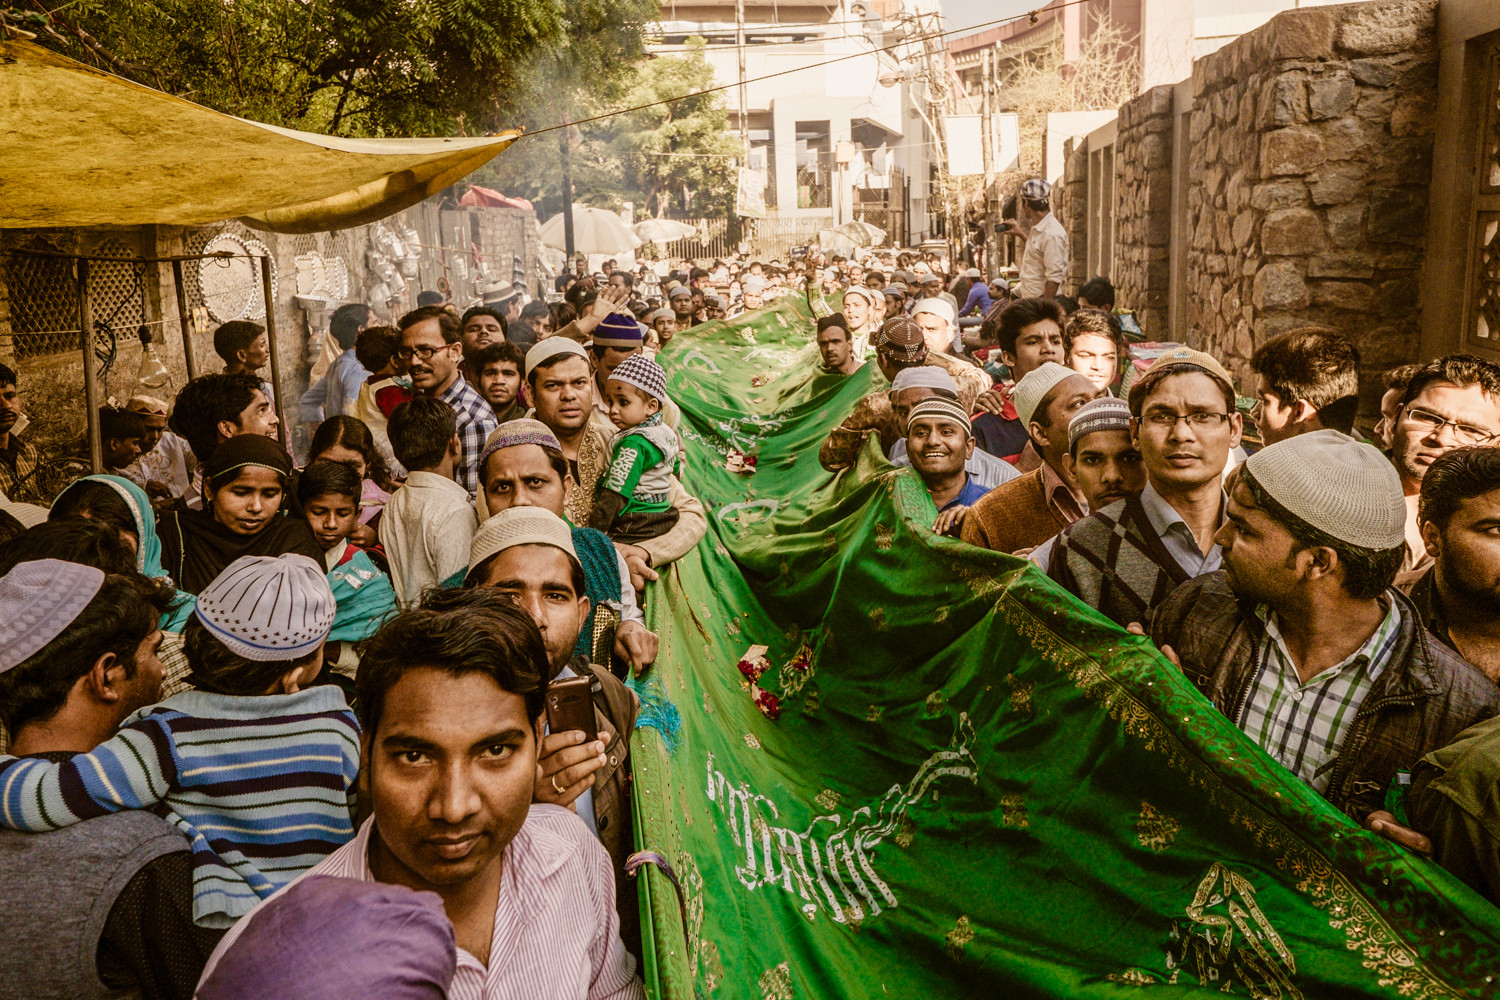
(431, 345)
(1454, 402)
(1125, 559)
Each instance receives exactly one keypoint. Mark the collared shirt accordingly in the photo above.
(475, 421)
(967, 497)
(1045, 257)
(982, 467)
(1177, 536)
(342, 383)
(1060, 497)
(1301, 724)
(425, 531)
(556, 935)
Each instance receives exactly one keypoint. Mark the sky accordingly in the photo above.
(962, 13)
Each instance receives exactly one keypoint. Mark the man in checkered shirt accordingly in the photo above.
(430, 346)
(1300, 638)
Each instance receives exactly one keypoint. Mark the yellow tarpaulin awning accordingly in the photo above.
(81, 147)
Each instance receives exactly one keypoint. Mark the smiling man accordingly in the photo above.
(451, 699)
(430, 346)
(1454, 402)
(939, 442)
(1125, 560)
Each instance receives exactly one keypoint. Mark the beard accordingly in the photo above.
(1465, 578)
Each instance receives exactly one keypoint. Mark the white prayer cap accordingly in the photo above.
(545, 350)
(265, 608)
(1342, 487)
(938, 307)
(1030, 391)
(924, 376)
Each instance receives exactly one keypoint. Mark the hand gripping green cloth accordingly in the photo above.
(911, 768)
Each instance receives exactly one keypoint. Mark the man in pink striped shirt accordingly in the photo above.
(451, 700)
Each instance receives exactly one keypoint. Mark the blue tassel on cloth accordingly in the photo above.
(657, 712)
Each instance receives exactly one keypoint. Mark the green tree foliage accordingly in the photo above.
(669, 159)
(357, 67)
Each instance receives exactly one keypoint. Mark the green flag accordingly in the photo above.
(900, 766)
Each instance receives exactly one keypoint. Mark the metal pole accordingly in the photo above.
(739, 45)
(265, 286)
(567, 194)
(182, 315)
(988, 138)
(90, 376)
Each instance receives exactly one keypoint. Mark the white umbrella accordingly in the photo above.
(863, 233)
(663, 230)
(594, 231)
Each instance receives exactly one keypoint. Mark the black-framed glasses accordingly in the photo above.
(1431, 423)
(420, 353)
(1201, 420)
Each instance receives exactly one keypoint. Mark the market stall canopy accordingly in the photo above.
(81, 147)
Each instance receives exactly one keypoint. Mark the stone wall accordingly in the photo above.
(1311, 145)
(1143, 208)
(1070, 203)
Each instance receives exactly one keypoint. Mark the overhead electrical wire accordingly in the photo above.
(802, 69)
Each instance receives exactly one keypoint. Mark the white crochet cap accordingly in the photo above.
(1342, 487)
(266, 609)
(38, 602)
(551, 347)
(938, 307)
(924, 376)
(521, 526)
(1031, 390)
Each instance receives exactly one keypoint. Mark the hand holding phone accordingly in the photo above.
(570, 706)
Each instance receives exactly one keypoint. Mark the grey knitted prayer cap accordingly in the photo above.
(1342, 487)
(265, 608)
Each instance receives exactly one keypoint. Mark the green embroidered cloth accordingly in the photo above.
(973, 785)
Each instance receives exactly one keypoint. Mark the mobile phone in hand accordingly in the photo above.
(571, 706)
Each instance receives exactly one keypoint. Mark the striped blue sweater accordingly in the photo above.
(262, 786)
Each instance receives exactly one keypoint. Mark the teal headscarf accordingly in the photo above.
(148, 550)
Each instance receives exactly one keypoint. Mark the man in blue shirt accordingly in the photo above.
(336, 391)
(939, 441)
(979, 295)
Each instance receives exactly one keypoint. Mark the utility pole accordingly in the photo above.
(567, 194)
(739, 45)
(987, 137)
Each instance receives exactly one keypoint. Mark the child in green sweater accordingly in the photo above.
(631, 501)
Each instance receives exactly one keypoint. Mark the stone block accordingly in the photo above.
(1329, 96)
(1221, 232)
(1402, 162)
(1334, 185)
(1283, 101)
(1295, 150)
(1398, 217)
(1340, 265)
(1413, 115)
(1379, 28)
(1354, 296)
(1279, 285)
(1398, 295)
(1345, 225)
(1292, 231)
(1307, 33)
(1375, 104)
(1159, 100)
(1377, 72)
(1156, 152)
(1244, 224)
(1275, 195)
(1159, 229)
(1350, 138)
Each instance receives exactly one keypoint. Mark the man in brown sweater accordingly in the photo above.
(1025, 512)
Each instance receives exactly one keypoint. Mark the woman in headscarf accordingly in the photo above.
(122, 505)
(245, 513)
(864, 308)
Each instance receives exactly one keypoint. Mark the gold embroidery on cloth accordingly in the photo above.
(1384, 954)
(1209, 949)
(1155, 829)
(1013, 812)
(1131, 977)
(884, 536)
(1020, 694)
(959, 937)
(905, 832)
(752, 741)
(828, 799)
(877, 618)
(776, 983)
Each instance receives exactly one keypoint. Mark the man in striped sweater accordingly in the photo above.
(255, 768)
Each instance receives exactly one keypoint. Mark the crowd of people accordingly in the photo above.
(357, 722)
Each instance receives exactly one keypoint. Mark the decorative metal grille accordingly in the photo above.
(1489, 171)
(115, 290)
(43, 304)
(1486, 328)
(231, 287)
